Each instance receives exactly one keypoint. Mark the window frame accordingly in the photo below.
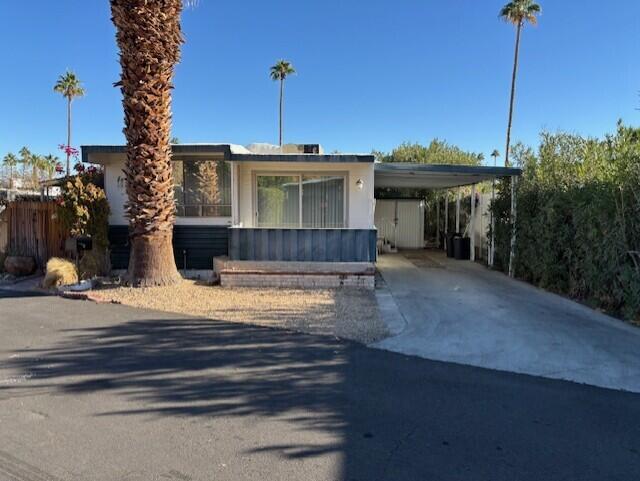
(195, 158)
(299, 174)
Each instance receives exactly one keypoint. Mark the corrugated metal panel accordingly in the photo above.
(201, 243)
(310, 245)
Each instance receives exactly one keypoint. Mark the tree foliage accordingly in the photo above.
(84, 211)
(578, 218)
(437, 152)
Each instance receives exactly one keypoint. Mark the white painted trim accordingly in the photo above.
(458, 211)
(472, 223)
(235, 197)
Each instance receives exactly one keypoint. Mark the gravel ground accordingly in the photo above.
(346, 313)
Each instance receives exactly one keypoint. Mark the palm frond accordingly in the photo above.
(281, 70)
(520, 11)
(69, 85)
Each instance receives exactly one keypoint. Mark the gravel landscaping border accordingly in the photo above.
(346, 313)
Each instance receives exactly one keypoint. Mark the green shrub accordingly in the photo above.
(578, 218)
(84, 210)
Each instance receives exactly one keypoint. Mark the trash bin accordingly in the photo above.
(449, 240)
(462, 248)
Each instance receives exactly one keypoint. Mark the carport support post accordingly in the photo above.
(472, 223)
(437, 219)
(512, 253)
(446, 217)
(492, 246)
(458, 212)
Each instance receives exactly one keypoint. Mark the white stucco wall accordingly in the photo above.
(117, 196)
(360, 203)
(115, 190)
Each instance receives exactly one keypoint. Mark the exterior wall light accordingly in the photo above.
(359, 184)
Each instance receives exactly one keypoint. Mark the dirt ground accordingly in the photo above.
(347, 313)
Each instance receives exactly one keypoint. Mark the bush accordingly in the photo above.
(84, 210)
(578, 219)
(60, 272)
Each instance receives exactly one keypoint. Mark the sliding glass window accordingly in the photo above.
(300, 200)
(323, 201)
(202, 188)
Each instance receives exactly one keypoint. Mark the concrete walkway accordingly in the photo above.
(461, 312)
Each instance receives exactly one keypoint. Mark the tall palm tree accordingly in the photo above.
(10, 161)
(49, 163)
(149, 37)
(517, 12)
(26, 159)
(69, 86)
(495, 154)
(280, 71)
(37, 165)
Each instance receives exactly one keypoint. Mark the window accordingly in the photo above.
(301, 200)
(202, 188)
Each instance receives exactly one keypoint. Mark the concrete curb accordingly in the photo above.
(86, 296)
(391, 315)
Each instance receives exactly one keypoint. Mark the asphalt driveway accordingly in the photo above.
(458, 311)
(105, 392)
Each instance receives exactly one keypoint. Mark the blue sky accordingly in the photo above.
(370, 74)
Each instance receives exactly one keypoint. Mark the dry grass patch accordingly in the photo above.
(60, 272)
(347, 313)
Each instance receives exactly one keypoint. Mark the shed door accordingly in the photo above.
(410, 224)
(385, 218)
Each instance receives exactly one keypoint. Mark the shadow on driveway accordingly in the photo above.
(379, 415)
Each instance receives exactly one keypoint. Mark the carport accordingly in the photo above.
(442, 309)
(445, 178)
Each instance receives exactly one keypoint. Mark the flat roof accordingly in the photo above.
(436, 176)
(232, 152)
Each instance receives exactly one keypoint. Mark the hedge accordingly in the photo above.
(578, 219)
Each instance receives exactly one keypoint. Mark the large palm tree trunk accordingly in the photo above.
(513, 93)
(149, 38)
(281, 104)
(68, 133)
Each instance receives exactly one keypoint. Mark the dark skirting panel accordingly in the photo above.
(317, 245)
(197, 245)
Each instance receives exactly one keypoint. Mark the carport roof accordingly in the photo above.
(436, 176)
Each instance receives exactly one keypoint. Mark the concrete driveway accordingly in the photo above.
(462, 312)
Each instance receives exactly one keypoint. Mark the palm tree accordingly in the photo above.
(26, 159)
(149, 37)
(49, 163)
(37, 165)
(10, 161)
(517, 12)
(495, 154)
(68, 85)
(280, 71)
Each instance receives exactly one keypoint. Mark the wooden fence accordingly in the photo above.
(35, 230)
